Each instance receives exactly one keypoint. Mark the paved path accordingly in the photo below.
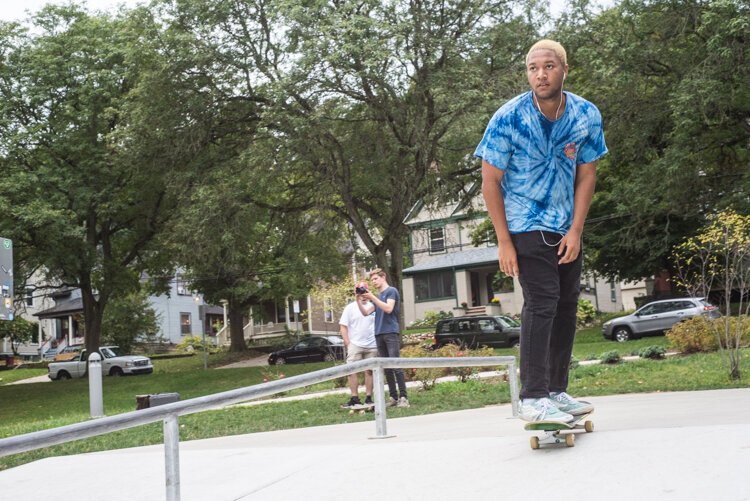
(674, 446)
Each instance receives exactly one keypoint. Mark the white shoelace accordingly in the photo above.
(564, 397)
(546, 406)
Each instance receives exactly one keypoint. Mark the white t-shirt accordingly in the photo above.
(361, 328)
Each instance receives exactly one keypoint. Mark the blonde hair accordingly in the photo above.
(555, 47)
(377, 271)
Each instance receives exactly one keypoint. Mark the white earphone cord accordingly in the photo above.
(547, 243)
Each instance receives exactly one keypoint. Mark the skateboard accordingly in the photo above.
(552, 431)
(361, 408)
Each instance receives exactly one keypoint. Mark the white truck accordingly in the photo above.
(114, 363)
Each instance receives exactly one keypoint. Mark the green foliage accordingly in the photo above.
(129, 320)
(431, 319)
(502, 282)
(652, 352)
(610, 357)
(585, 313)
(193, 343)
(679, 70)
(18, 331)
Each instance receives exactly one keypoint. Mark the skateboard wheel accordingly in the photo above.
(362, 411)
(570, 440)
(351, 411)
(588, 426)
(534, 443)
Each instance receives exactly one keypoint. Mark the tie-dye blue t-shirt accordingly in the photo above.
(539, 157)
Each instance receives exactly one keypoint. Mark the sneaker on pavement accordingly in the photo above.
(403, 402)
(354, 401)
(542, 409)
(566, 403)
(392, 402)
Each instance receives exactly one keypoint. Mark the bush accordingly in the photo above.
(610, 357)
(191, 343)
(694, 335)
(431, 319)
(574, 363)
(428, 376)
(586, 313)
(653, 352)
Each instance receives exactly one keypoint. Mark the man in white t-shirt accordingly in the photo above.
(358, 332)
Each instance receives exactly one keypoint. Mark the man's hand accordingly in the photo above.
(570, 247)
(507, 259)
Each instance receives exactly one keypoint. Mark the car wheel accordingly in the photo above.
(514, 343)
(622, 334)
(329, 357)
(280, 361)
(115, 371)
(63, 375)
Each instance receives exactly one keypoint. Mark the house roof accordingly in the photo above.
(62, 308)
(469, 258)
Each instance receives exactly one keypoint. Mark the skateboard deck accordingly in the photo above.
(361, 408)
(552, 431)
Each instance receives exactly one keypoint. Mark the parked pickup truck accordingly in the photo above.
(114, 363)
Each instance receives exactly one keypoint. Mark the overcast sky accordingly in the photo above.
(13, 10)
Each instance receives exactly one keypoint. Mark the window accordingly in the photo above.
(328, 309)
(486, 325)
(185, 324)
(28, 297)
(183, 288)
(437, 240)
(436, 284)
(445, 327)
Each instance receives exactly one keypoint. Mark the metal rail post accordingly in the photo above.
(378, 380)
(513, 383)
(96, 401)
(172, 456)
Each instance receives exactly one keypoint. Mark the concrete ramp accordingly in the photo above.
(681, 446)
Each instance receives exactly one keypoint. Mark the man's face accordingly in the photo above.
(545, 73)
(376, 280)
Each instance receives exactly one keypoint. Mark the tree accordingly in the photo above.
(129, 319)
(717, 259)
(19, 331)
(238, 251)
(377, 104)
(671, 81)
(102, 136)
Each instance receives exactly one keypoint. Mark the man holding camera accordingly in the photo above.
(358, 332)
(387, 332)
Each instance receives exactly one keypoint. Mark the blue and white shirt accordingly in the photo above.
(539, 157)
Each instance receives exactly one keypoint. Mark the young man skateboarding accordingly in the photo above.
(539, 156)
(387, 332)
(358, 332)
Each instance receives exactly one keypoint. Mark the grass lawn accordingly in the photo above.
(39, 406)
(13, 375)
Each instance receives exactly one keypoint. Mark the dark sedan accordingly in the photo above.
(493, 331)
(310, 349)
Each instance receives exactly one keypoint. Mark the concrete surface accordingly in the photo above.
(674, 446)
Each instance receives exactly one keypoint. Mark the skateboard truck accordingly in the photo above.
(552, 435)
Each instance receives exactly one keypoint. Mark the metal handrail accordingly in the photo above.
(170, 412)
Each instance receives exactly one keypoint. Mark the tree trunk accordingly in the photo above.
(235, 313)
(93, 313)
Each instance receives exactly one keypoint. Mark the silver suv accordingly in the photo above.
(657, 317)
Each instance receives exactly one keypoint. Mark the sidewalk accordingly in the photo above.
(680, 446)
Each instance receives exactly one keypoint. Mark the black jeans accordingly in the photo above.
(389, 345)
(548, 318)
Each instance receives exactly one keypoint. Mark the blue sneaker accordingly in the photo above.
(570, 405)
(542, 409)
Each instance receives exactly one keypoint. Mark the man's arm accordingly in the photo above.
(493, 200)
(344, 331)
(386, 306)
(570, 245)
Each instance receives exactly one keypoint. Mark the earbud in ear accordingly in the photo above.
(564, 75)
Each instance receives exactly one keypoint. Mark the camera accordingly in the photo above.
(361, 288)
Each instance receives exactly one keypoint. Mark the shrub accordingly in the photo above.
(586, 312)
(610, 357)
(431, 319)
(694, 335)
(653, 352)
(191, 343)
(428, 376)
